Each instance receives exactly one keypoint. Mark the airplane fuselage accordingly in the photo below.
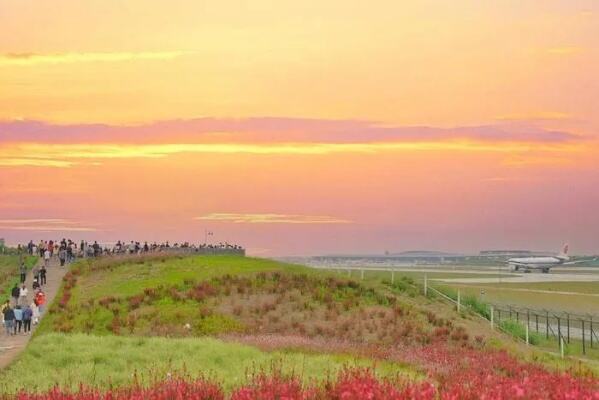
(543, 264)
(537, 260)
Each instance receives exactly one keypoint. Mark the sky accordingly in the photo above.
(302, 128)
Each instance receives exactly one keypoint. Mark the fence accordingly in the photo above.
(553, 325)
(562, 327)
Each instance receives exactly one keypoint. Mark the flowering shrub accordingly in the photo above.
(517, 382)
(273, 387)
(169, 390)
(359, 384)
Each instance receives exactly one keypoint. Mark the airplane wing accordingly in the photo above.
(519, 264)
(579, 261)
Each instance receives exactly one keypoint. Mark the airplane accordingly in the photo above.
(544, 264)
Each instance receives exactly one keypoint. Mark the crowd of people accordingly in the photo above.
(68, 250)
(22, 310)
(25, 306)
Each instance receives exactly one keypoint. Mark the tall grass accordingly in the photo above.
(471, 301)
(518, 330)
(104, 361)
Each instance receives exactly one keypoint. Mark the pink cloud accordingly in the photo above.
(270, 129)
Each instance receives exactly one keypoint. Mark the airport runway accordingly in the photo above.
(578, 274)
(533, 277)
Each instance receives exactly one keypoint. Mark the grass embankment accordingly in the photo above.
(153, 295)
(9, 272)
(123, 305)
(192, 296)
(109, 361)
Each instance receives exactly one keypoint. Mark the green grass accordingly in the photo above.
(133, 278)
(500, 294)
(9, 273)
(591, 287)
(518, 330)
(155, 297)
(418, 276)
(67, 360)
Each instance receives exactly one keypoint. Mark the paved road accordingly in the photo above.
(11, 346)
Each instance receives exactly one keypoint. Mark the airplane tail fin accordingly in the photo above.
(564, 252)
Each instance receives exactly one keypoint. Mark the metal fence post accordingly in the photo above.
(459, 300)
(568, 322)
(492, 317)
(584, 349)
(527, 335)
(591, 323)
(425, 285)
(547, 325)
(561, 346)
(559, 328)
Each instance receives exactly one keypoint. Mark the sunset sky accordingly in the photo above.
(302, 127)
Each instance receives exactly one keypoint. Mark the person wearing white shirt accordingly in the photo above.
(23, 295)
(47, 255)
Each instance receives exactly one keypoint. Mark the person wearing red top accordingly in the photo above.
(40, 300)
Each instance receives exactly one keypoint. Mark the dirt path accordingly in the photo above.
(11, 346)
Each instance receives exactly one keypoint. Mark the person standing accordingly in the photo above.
(2, 308)
(15, 293)
(23, 292)
(23, 271)
(40, 300)
(43, 275)
(35, 313)
(47, 256)
(70, 252)
(18, 319)
(62, 255)
(9, 320)
(36, 273)
(27, 316)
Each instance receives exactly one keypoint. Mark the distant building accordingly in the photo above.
(406, 257)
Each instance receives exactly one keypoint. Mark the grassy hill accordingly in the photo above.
(194, 296)
(116, 318)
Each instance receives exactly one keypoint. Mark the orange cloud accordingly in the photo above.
(537, 116)
(44, 225)
(30, 59)
(270, 218)
(67, 155)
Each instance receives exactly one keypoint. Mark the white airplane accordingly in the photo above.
(544, 264)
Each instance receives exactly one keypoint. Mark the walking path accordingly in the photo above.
(11, 346)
